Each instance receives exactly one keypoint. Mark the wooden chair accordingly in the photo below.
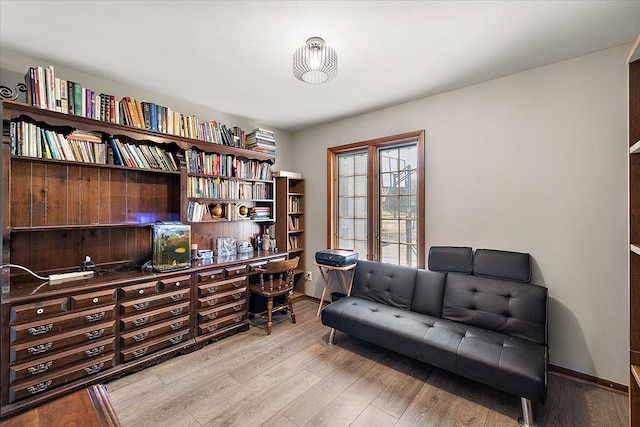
(276, 279)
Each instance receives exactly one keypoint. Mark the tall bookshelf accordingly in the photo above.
(634, 234)
(289, 227)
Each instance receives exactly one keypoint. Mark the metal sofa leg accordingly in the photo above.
(332, 337)
(527, 415)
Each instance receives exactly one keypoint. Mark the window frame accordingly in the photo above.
(372, 148)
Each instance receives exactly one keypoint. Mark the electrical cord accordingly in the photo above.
(25, 269)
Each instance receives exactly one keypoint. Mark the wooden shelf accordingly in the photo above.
(634, 248)
(635, 148)
(80, 226)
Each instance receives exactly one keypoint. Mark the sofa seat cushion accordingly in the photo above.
(508, 363)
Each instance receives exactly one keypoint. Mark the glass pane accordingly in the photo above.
(389, 254)
(345, 165)
(360, 164)
(346, 228)
(408, 157)
(407, 208)
(389, 160)
(388, 207)
(360, 185)
(346, 187)
(408, 255)
(408, 231)
(361, 247)
(345, 244)
(389, 231)
(360, 228)
(346, 207)
(360, 207)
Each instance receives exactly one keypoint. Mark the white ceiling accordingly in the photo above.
(236, 56)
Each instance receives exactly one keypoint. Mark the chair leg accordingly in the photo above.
(290, 304)
(269, 315)
(527, 415)
(332, 337)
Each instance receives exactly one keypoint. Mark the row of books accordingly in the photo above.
(293, 223)
(142, 156)
(227, 165)
(45, 90)
(260, 213)
(220, 188)
(262, 140)
(295, 204)
(293, 242)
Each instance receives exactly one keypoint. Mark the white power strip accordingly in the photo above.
(70, 276)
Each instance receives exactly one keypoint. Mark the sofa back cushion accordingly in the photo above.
(452, 259)
(502, 265)
(514, 308)
(429, 292)
(386, 283)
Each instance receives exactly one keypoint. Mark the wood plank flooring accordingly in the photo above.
(292, 378)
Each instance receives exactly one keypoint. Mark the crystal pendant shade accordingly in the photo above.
(315, 62)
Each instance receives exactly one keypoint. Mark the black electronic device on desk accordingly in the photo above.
(336, 257)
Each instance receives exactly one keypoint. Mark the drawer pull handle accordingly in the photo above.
(40, 348)
(213, 289)
(141, 321)
(95, 317)
(40, 311)
(141, 291)
(237, 285)
(237, 307)
(176, 325)
(178, 284)
(140, 353)
(140, 337)
(213, 315)
(177, 297)
(42, 329)
(177, 311)
(39, 368)
(237, 319)
(176, 340)
(237, 296)
(214, 276)
(212, 302)
(212, 328)
(141, 306)
(94, 334)
(94, 351)
(94, 368)
(95, 300)
(40, 387)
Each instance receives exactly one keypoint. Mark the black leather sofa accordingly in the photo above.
(477, 316)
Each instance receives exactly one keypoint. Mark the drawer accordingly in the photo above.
(32, 386)
(140, 290)
(220, 323)
(35, 310)
(46, 345)
(222, 286)
(236, 271)
(61, 359)
(150, 316)
(222, 298)
(58, 324)
(145, 334)
(93, 299)
(175, 283)
(141, 305)
(211, 275)
(149, 347)
(239, 307)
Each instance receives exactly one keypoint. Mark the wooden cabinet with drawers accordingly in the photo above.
(57, 341)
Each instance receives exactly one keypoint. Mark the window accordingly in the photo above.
(376, 199)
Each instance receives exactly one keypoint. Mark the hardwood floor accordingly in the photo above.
(292, 378)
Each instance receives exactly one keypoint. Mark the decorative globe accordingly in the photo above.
(243, 210)
(216, 211)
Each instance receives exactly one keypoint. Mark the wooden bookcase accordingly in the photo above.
(634, 237)
(289, 228)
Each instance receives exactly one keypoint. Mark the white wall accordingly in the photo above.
(532, 162)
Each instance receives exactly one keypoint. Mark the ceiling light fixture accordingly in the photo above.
(315, 62)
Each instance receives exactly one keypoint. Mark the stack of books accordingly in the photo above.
(261, 140)
(260, 212)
